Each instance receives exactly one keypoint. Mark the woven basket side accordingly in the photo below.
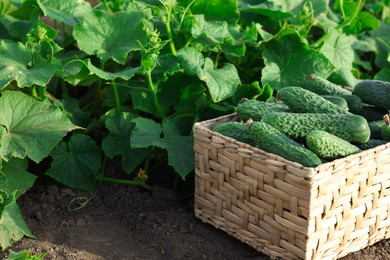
(253, 195)
(284, 209)
(351, 208)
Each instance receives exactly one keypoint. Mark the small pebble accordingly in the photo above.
(80, 222)
(52, 190)
(69, 192)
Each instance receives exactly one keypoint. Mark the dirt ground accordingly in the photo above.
(127, 222)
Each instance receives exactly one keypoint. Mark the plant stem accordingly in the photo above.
(169, 30)
(154, 93)
(351, 18)
(217, 59)
(128, 182)
(117, 98)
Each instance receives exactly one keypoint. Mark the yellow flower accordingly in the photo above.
(142, 174)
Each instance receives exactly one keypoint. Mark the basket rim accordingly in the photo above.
(202, 125)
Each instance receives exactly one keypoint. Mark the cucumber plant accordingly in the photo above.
(82, 85)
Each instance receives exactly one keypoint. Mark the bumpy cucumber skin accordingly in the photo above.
(235, 130)
(385, 133)
(322, 86)
(354, 103)
(372, 143)
(329, 146)
(255, 110)
(374, 92)
(350, 127)
(272, 140)
(338, 100)
(376, 128)
(300, 100)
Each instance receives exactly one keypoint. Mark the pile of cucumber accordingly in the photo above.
(315, 122)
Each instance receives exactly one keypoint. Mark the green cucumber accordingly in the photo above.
(376, 128)
(372, 113)
(338, 100)
(235, 130)
(322, 86)
(300, 100)
(350, 127)
(272, 140)
(372, 143)
(374, 92)
(354, 103)
(385, 131)
(255, 110)
(328, 146)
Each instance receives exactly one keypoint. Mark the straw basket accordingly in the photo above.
(284, 209)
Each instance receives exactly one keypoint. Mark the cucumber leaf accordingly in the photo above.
(148, 133)
(12, 226)
(288, 60)
(216, 9)
(32, 127)
(16, 176)
(70, 12)
(221, 82)
(338, 49)
(15, 60)
(76, 162)
(125, 74)
(114, 144)
(111, 35)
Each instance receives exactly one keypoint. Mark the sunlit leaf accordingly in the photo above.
(111, 35)
(338, 49)
(288, 60)
(222, 82)
(15, 64)
(70, 12)
(125, 74)
(13, 227)
(32, 127)
(17, 178)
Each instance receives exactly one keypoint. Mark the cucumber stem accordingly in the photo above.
(386, 118)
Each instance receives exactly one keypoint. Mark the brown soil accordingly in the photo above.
(127, 222)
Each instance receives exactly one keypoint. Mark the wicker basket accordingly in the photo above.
(284, 209)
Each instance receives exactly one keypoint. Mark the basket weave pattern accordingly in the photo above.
(284, 209)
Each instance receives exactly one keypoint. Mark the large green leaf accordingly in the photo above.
(338, 49)
(15, 64)
(288, 60)
(209, 33)
(70, 12)
(111, 35)
(221, 82)
(381, 36)
(76, 162)
(12, 227)
(191, 60)
(32, 127)
(17, 178)
(6, 199)
(216, 9)
(167, 136)
(277, 9)
(118, 142)
(125, 74)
